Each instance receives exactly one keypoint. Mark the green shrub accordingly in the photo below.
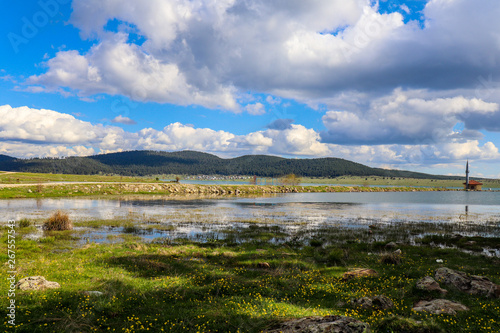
(391, 258)
(316, 243)
(58, 221)
(335, 256)
(24, 223)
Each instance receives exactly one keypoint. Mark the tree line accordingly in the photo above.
(145, 163)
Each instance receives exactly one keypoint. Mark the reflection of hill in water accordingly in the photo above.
(309, 205)
(197, 203)
(298, 207)
(363, 217)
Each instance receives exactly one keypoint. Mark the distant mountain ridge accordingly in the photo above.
(145, 162)
(5, 158)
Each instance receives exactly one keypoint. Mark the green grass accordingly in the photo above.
(118, 185)
(72, 190)
(375, 180)
(118, 189)
(34, 178)
(217, 286)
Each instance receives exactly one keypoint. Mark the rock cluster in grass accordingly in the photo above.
(36, 283)
(470, 284)
(210, 189)
(215, 190)
(333, 324)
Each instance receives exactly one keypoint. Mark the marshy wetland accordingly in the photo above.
(229, 264)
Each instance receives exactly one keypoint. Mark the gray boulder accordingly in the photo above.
(429, 284)
(328, 324)
(440, 306)
(380, 302)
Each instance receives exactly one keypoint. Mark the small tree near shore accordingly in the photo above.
(290, 179)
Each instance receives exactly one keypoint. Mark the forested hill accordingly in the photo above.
(143, 163)
(5, 158)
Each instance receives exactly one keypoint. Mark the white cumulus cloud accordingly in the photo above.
(405, 119)
(209, 52)
(256, 109)
(27, 132)
(123, 120)
(47, 126)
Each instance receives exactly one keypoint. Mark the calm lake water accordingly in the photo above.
(399, 216)
(293, 207)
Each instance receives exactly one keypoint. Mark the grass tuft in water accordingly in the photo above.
(58, 221)
(24, 223)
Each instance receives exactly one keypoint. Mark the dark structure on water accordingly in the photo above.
(471, 185)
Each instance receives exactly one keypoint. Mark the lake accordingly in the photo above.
(290, 211)
(396, 216)
(296, 206)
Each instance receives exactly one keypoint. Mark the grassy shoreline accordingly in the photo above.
(218, 286)
(31, 185)
(412, 182)
(30, 178)
(115, 189)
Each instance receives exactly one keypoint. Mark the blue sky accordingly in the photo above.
(396, 84)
